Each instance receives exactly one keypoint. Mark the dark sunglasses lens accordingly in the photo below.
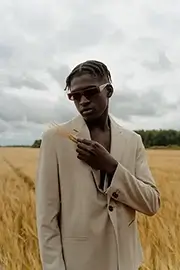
(91, 92)
(88, 93)
(70, 96)
(74, 96)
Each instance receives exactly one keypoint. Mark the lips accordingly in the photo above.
(87, 111)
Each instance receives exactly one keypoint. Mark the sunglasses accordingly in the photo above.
(89, 92)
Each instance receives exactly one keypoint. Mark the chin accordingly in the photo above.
(90, 118)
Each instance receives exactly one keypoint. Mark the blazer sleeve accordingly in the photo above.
(138, 191)
(48, 206)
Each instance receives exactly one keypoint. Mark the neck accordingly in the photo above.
(101, 123)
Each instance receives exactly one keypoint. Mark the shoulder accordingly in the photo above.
(128, 133)
(56, 129)
(131, 138)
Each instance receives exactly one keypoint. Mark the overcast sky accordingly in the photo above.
(42, 40)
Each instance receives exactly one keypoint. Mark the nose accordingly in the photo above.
(84, 100)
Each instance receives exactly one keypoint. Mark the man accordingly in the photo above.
(88, 191)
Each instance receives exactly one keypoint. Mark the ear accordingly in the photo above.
(110, 91)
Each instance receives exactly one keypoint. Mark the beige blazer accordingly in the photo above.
(81, 227)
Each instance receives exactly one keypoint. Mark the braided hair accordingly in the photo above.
(95, 68)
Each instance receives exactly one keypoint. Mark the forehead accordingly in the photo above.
(83, 81)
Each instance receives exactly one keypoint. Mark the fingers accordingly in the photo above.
(85, 149)
(86, 144)
(83, 155)
(82, 152)
(85, 141)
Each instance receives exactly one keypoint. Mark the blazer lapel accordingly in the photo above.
(81, 130)
(117, 141)
(117, 146)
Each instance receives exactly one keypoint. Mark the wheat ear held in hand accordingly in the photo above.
(64, 133)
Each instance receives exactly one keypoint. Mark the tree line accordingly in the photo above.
(160, 138)
(151, 138)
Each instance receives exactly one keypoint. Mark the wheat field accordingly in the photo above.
(160, 235)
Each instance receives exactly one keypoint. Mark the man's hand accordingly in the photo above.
(96, 156)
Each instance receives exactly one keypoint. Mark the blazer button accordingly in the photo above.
(110, 208)
(115, 195)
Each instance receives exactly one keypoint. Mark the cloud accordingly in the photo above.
(127, 104)
(3, 126)
(33, 109)
(21, 133)
(86, 31)
(41, 41)
(27, 81)
(124, 105)
(161, 62)
(5, 52)
(60, 74)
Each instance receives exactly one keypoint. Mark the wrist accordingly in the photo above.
(112, 167)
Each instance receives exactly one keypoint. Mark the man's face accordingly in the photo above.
(89, 100)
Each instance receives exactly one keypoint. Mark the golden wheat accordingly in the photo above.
(160, 235)
(63, 132)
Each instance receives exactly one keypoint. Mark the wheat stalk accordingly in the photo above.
(64, 133)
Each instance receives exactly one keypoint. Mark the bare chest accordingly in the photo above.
(104, 138)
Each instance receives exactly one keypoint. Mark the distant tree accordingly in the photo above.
(36, 144)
